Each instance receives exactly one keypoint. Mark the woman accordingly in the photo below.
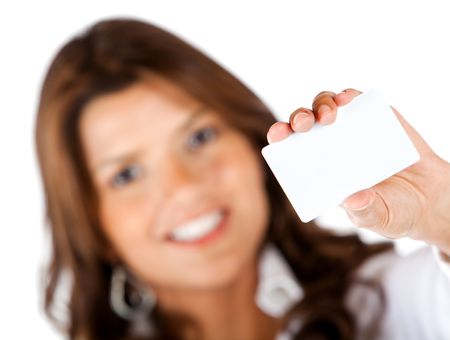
(168, 224)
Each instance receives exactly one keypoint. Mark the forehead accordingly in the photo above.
(156, 99)
(148, 109)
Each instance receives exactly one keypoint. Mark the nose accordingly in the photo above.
(179, 189)
(180, 178)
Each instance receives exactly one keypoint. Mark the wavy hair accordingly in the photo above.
(109, 56)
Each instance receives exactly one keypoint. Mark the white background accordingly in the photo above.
(285, 51)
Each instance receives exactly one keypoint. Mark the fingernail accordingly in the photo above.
(341, 93)
(324, 109)
(358, 201)
(298, 118)
(326, 116)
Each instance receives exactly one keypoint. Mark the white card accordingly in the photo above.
(319, 169)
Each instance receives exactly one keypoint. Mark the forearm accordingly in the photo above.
(437, 225)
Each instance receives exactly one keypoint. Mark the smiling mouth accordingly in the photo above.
(201, 230)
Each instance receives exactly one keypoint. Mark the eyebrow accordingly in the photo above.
(194, 115)
(123, 158)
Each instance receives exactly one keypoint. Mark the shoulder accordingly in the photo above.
(408, 296)
(403, 273)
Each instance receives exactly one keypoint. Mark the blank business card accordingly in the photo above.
(318, 169)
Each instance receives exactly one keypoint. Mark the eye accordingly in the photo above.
(201, 137)
(126, 175)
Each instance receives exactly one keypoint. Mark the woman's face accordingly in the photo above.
(182, 195)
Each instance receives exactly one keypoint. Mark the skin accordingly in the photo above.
(153, 170)
(143, 129)
(414, 202)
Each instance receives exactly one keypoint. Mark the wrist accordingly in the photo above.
(434, 225)
(440, 221)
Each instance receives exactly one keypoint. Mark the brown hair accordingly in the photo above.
(109, 56)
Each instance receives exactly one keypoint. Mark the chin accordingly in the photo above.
(219, 275)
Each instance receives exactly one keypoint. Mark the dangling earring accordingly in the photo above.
(140, 304)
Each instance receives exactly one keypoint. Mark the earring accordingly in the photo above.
(131, 307)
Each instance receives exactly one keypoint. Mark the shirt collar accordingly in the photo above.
(277, 289)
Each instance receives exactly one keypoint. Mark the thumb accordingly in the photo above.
(368, 209)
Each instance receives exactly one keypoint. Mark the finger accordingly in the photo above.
(367, 209)
(278, 131)
(390, 208)
(301, 120)
(346, 96)
(325, 108)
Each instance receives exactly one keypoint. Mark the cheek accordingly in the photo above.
(127, 223)
(243, 181)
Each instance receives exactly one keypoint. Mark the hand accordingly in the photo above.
(414, 202)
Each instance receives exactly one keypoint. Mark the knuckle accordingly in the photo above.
(351, 90)
(324, 94)
(302, 110)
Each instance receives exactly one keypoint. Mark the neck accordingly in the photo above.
(226, 313)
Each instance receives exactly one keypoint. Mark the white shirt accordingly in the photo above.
(417, 290)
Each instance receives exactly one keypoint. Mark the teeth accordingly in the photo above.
(197, 228)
